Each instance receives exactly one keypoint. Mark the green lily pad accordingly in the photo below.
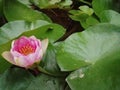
(45, 82)
(15, 10)
(15, 79)
(103, 75)
(18, 27)
(51, 31)
(87, 47)
(21, 79)
(110, 16)
(101, 5)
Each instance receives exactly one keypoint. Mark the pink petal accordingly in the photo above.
(38, 54)
(22, 41)
(7, 55)
(44, 45)
(22, 61)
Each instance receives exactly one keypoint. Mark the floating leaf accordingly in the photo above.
(87, 47)
(18, 27)
(15, 79)
(15, 10)
(51, 31)
(101, 5)
(45, 82)
(103, 75)
(110, 16)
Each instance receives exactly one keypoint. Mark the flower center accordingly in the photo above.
(27, 49)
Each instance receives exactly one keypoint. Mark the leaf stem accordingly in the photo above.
(43, 70)
(48, 73)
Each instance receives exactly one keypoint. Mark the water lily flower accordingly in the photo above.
(26, 51)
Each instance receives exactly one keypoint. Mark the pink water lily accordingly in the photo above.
(26, 51)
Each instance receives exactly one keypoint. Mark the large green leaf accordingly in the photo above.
(51, 31)
(110, 16)
(21, 79)
(89, 46)
(101, 5)
(45, 82)
(103, 75)
(15, 79)
(15, 10)
(14, 29)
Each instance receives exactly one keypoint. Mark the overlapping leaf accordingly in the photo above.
(15, 10)
(101, 5)
(103, 75)
(14, 29)
(89, 46)
(110, 16)
(18, 79)
(40, 29)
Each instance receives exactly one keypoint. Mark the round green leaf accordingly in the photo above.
(103, 75)
(15, 10)
(13, 29)
(110, 16)
(45, 82)
(51, 31)
(87, 47)
(101, 5)
(66, 3)
(86, 10)
(15, 79)
(90, 21)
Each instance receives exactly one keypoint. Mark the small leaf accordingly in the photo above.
(84, 16)
(54, 1)
(91, 21)
(86, 10)
(66, 3)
